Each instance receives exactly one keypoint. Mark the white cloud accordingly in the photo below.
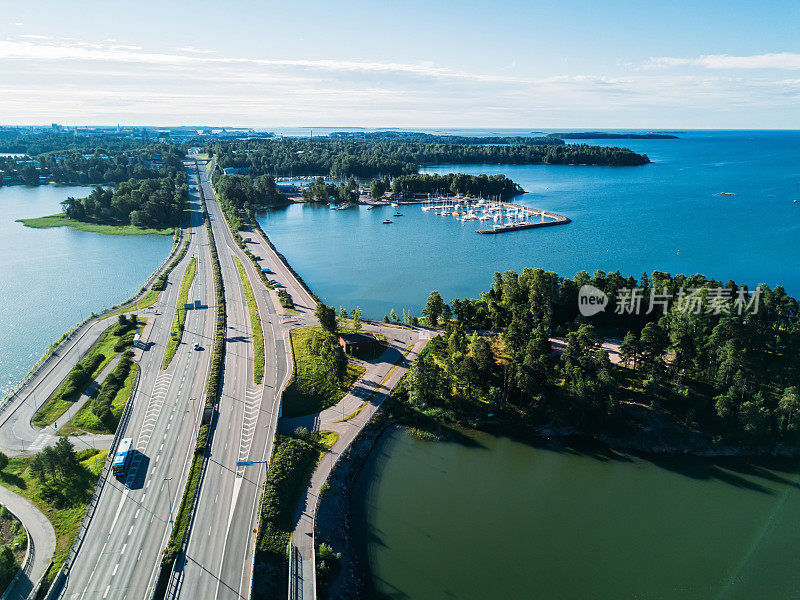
(772, 60)
(194, 50)
(102, 82)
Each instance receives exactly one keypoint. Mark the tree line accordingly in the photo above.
(149, 203)
(343, 193)
(94, 165)
(248, 193)
(732, 376)
(457, 183)
(377, 158)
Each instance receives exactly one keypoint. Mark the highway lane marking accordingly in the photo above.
(108, 587)
(154, 409)
(124, 546)
(249, 422)
(136, 516)
(116, 566)
(130, 530)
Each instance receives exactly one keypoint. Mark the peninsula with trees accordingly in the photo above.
(722, 381)
(135, 207)
(379, 158)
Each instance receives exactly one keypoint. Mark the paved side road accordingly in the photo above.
(367, 395)
(43, 538)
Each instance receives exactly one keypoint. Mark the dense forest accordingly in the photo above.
(393, 158)
(457, 183)
(243, 193)
(149, 203)
(93, 166)
(719, 373)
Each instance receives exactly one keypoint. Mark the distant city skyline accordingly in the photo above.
(507, 64)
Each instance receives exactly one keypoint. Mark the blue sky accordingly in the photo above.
(415, 64)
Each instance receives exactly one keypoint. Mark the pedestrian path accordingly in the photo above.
(42, 542)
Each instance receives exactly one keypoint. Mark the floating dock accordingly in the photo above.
(506, 216)
(555, 220)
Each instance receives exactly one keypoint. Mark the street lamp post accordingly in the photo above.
(169, 497)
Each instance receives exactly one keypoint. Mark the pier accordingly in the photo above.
(503, 216)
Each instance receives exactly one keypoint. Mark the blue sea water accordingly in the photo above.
(51, 279)
(668, 216)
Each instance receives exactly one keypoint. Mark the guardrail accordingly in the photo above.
(79, 330)
(58, 583)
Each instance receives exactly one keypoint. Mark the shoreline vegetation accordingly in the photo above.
(134, 207)
(381, 158)
(715, 381)
(61, 220)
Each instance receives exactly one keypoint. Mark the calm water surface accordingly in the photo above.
(668, 216)
(51, 279)
(502, 519)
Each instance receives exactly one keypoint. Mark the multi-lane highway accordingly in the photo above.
(219, 554)
(132, 521)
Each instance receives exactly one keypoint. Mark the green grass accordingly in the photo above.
(180, 314)
(294, 459)
(65, 511)
(145, 301)
(61, 220)
(255, 324)
(60, 401)
(313, 388)
(86, 421)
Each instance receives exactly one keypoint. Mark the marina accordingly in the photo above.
(503, 216)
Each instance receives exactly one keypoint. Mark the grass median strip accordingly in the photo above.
(255, 324)
(180, 314)
(114, 340)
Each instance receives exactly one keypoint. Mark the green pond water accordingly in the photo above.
(497, 518)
